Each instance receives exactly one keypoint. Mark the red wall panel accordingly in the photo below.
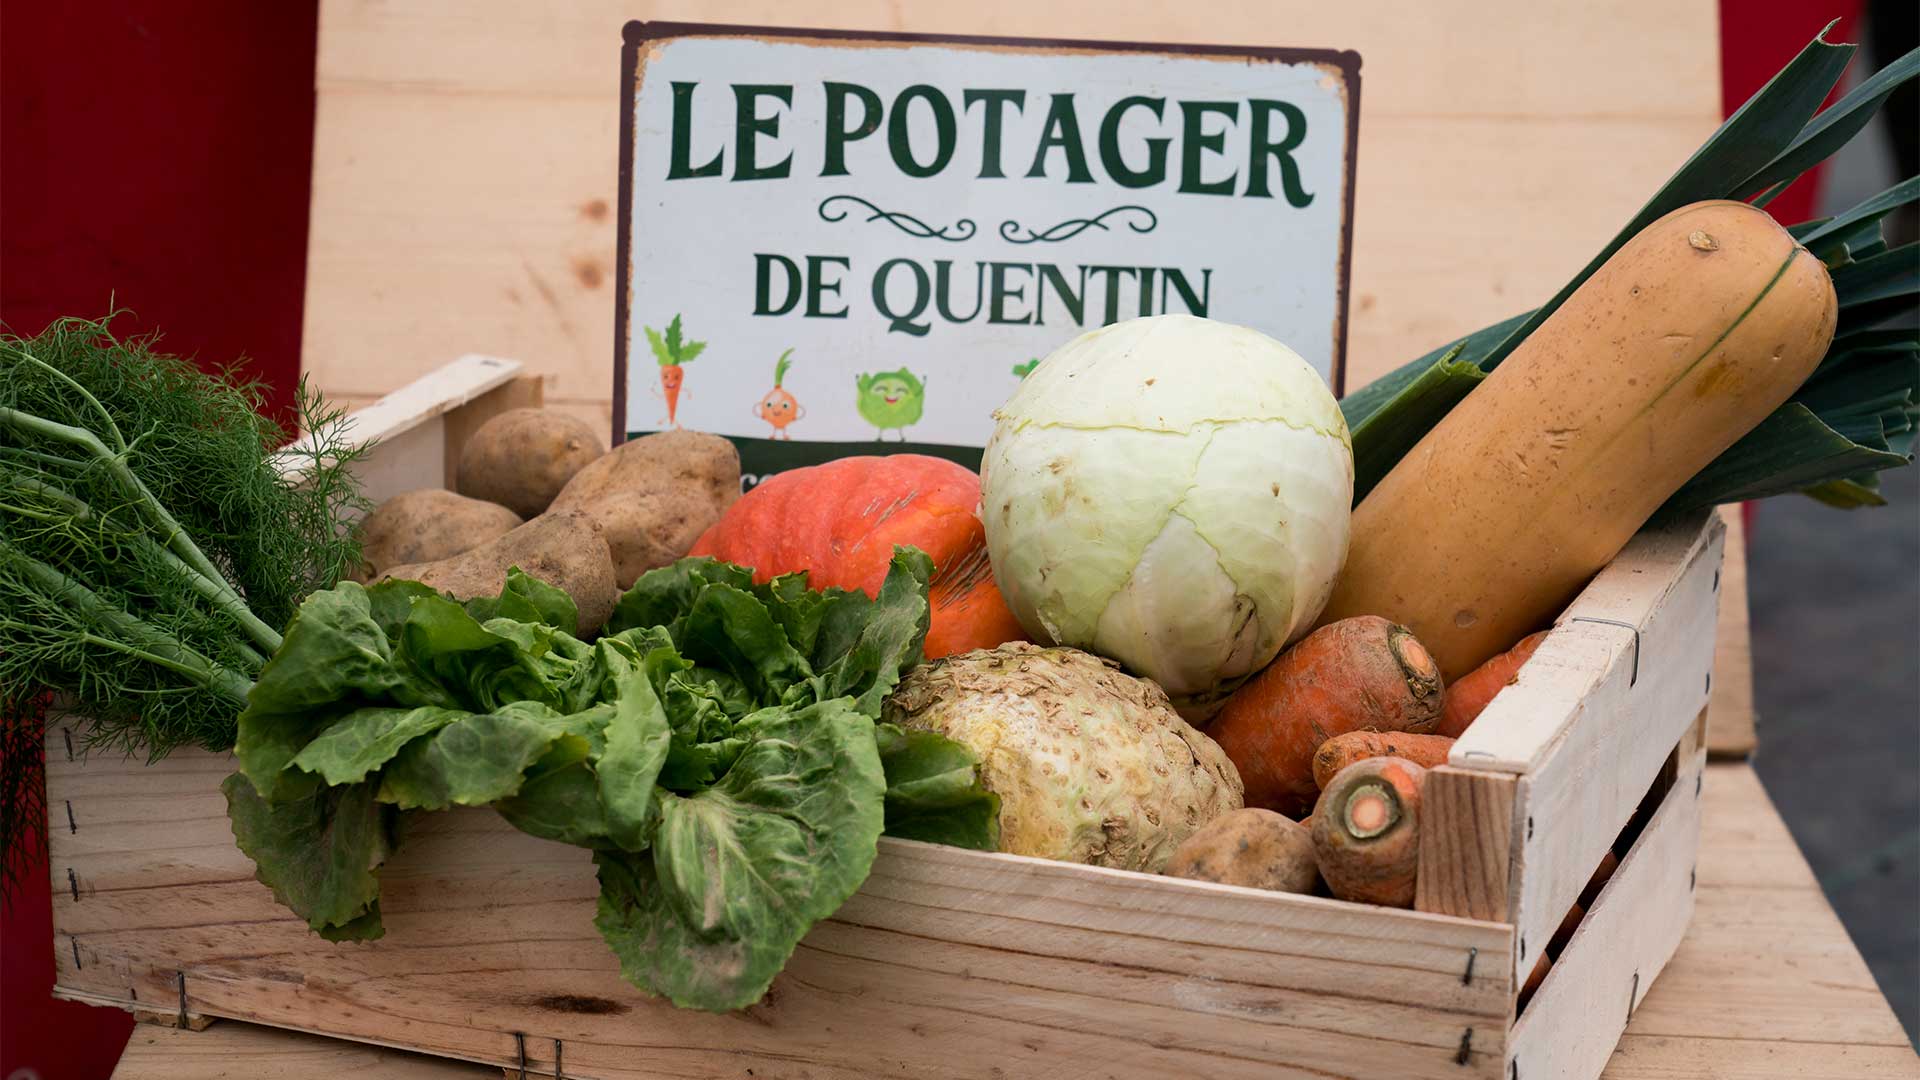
(155, 157)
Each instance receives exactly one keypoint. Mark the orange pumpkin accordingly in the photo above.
(839, 523)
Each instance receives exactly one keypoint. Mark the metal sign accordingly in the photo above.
(836, 243)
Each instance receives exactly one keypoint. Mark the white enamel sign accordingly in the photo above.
(836, 244)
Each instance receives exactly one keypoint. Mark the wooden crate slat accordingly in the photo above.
(1590, 659)
(1581, 794)
(1466, 843)
(1620, 946)
(490, 932)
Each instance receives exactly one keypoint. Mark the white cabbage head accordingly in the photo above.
(1172, 493)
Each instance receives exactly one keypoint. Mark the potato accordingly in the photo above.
(523, 457)
(654, 496)
(429, 525)
(563, 549)
(1252, 847)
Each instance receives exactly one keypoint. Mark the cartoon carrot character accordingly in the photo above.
(672, 352)
(779, 407)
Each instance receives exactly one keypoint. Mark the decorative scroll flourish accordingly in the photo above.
(1067, 230)
(906, 223)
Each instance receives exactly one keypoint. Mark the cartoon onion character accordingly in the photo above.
(891, 401)
(779, 407)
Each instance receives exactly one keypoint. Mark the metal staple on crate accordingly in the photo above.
(68, 733)
(1635, 677)
(73, 882)
(180, 977)
(1466, 1048)
(1473, 953)
(520, 1049)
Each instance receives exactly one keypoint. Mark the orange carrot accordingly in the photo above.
(1564, 932)
(1473, 692)
(1608, 864)
(1341, 751)
(1534, 980)
(1366, 831)
(1358, 674)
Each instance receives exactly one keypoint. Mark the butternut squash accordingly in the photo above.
(1677, 346)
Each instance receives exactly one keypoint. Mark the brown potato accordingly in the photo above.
(563, 549)
(429, 525)
(523, 457)
(1252, 847)
(654, 496)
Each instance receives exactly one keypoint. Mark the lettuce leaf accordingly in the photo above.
(716, 748)
(934, 791)
(740, 871)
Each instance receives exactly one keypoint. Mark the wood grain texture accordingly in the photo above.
(233, 1051)
(1466, 843)
(1620, 947)
(464, 166)
(1579, 797)
(490, 932)
(1782, 997)
(1730, 717)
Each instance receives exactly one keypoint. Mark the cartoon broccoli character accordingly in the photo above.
(779, 407)
(891, 400)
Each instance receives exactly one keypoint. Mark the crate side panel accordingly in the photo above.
(1575, 1019)
(1581, 794)
(946, 959)
(1614, 633)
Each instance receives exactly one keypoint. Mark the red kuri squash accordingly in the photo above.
(839, 523)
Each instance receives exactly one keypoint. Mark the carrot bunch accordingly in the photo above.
(1345, 725)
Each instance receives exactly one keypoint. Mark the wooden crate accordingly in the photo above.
(951, 963)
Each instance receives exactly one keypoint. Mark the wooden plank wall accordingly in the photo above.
(464, 158)
(465, 167)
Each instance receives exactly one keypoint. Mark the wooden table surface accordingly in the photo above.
(1767, 984)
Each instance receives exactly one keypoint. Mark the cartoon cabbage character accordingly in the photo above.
(891, 401)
